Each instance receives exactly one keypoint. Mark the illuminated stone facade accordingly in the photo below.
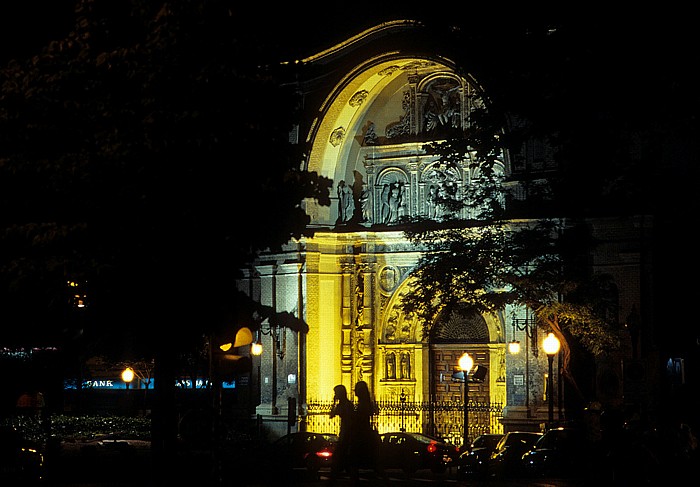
(369, 111)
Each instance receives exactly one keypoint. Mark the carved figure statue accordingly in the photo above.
(392, 200)
(346, 204)
(431, 201)
(391, 366)
(405, 365)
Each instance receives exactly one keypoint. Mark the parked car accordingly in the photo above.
(506, 459)
(21, 460)
(416, 451)
(303, 450)
(560, 452)
(475, 460)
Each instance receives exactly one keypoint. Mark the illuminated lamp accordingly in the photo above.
(551, 346)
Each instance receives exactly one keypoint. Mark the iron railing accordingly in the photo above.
(444, 419)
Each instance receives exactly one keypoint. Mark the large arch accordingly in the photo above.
(369, 132)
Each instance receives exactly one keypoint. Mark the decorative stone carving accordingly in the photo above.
(370, 137)
(389, 71)
(443, 183)
(337, 136)
(443, 105)
(389, 278)
(399, 327)
(403, 126)
(358, 98)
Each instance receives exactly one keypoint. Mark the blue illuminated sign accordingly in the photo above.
(118, 384)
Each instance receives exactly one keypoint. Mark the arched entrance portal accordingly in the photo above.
(458, 330)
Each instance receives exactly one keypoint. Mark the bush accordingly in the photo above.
(81, 428)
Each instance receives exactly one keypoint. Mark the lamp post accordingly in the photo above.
(551, 348)
(466, 363)
(127, 377)
(528, 326)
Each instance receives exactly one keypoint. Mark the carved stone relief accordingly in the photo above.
(358, 98)
(392, 196)
(442, 107)
(389, 278)
(398, 365)
(337, 136)
(441, 184)
(403, 126)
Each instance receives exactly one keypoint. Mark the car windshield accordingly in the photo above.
(425, 439)
(518, 439)
(486, 441)
(557, 439)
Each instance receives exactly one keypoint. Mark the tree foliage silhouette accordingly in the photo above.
(146, 154)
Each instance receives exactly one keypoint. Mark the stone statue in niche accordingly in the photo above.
(405, 365)
(392, 202)
(366, 204)
(391, 366)
(432, 201)
(346, 204)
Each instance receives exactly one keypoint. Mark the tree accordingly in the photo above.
(491, 260)
(576, 86)
(146, 154)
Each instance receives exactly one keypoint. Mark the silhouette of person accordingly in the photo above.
(364, 439)
(342, 408)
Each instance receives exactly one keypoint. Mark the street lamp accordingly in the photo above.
(466, 363)
(128, 376)
(551, 348)
(256, 348)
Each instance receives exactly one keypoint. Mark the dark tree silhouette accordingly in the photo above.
(145, 156)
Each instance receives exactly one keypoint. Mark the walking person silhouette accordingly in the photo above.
(364, 438)
(344, 409)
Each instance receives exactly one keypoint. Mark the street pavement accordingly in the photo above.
(422, 478)
(105, 464)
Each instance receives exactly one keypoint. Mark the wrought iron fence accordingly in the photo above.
(443, 419)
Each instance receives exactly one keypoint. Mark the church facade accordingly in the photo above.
(371, 103)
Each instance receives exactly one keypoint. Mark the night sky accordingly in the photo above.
(27, 25)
